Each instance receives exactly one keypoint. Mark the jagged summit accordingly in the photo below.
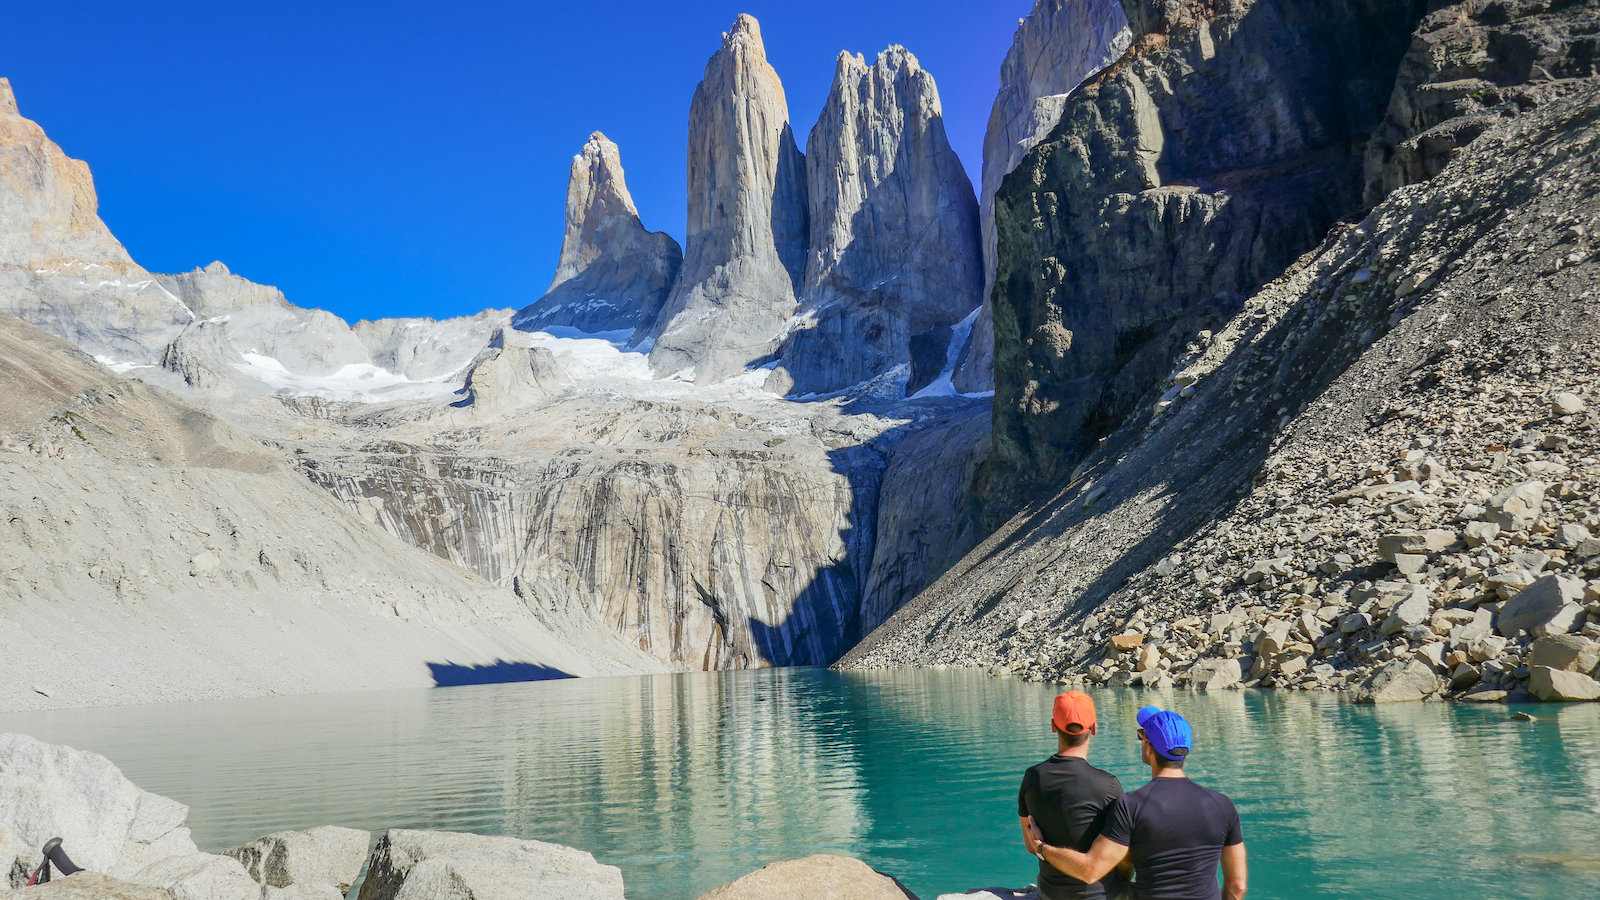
(894, 258)
(613, 274)
(747, 230)
(8, 99)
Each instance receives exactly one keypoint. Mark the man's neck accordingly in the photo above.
(1167, 773)
(1081, 751)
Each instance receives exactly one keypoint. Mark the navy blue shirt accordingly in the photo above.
(1174, 830)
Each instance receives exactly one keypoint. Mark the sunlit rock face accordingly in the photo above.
(60, 267)
(894, 259)
(746, 250)
(1058, 45)
(613, 275)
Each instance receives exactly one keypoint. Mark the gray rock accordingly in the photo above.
(1355, 622)
(90, 886)
(1567, 652)
(1566, 403)
(1058, 45)
(1410, 612)
(1480, 533)
(613, 274)
(328, 855)
(427, 865)
(1517, 507)
(1419, 543)
(1556, 685)
(1572, 535)
(814, 876)
(1215, 674)
(1398, 682)
(421, 348)
(747, 229)
(199, 876)
(894, 259)
(1546, 602)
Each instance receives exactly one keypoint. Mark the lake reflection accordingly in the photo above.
(688, 781)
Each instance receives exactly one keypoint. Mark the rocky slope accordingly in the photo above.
(613, 275)
(1057, 46)
(152, 552)
(1378, 475)
(893, 261)
(745, 255)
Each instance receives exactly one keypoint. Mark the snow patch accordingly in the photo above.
(944, 385)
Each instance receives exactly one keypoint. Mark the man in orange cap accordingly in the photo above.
(1065, 800)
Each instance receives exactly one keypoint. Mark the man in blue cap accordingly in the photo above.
(1175, 831)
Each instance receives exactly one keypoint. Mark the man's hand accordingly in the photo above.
(1086, 867)
(1031, 839)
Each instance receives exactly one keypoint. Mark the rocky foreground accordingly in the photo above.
(134, 845)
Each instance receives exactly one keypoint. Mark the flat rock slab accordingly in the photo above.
(443, 865)
(820, 877)
(89, 886)
(321, 856)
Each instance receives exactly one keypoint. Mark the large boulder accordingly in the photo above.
(1553, 685)
(1566, 652)
(1550, 604)
(819, 877)
(434, 865)
(1400, 681)
(199, 876)
(107, 823)
(1215, 674)
(89, 886)
(321, 856)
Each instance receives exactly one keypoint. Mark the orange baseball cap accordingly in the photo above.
(1074, 708)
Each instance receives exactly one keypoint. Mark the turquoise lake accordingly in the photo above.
(689, 781)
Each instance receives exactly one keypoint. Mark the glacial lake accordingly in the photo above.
(689, 781)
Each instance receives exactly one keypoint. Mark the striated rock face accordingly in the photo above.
(1177, 183)
(1471, 65)
(613, 274)
(894, 258)
(1058, 45)
(746, 250)
(60, 267)
(213, 569)
(420, 348)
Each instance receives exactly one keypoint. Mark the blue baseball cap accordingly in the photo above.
(1145, 712)
(1169, 733)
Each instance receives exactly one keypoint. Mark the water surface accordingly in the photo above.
(689, 781)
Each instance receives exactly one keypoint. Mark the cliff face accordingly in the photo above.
(613, 274)
(1178, 182)
(1058, 45)
(894, 260)
(60, 267)
(747, 230)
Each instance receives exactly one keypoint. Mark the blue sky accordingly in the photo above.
(411, 158)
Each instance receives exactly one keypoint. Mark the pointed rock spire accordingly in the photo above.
(895, 258)
(747, 233)
(8, 100)
(1058, 45)
(613, 274)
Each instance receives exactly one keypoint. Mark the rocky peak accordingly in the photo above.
(747, 229)
(1058, 45)
(613, 274)
(8, 99)
(894, 258)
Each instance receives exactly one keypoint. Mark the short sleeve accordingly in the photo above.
(1235, 834)
(1119, 824)
(1022, 795)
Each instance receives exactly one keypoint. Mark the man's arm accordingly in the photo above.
(1235, 872)
(1086, 867)
(1030, 836)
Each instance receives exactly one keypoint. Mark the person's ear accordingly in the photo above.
(1095, 728)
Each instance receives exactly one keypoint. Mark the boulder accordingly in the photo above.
(199, 876)
(1355, 622)
(321, 856)
(1215, 674)
(1487, 648)
(1125, 643)
(1272, 638)
(1410, 612)
(1567, 404)
(1480, 533)
(107, 823)
(1417, 543)
(1398, 682)
(1552, 685)
(1517, 507)
(1566, 652)
(424, 865)
(1547, 601)
(91, 886)
(813, 878)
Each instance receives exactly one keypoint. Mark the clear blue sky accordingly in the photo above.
(411, 158)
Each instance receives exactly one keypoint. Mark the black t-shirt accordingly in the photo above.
(1175, 831)
(1069, 801)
